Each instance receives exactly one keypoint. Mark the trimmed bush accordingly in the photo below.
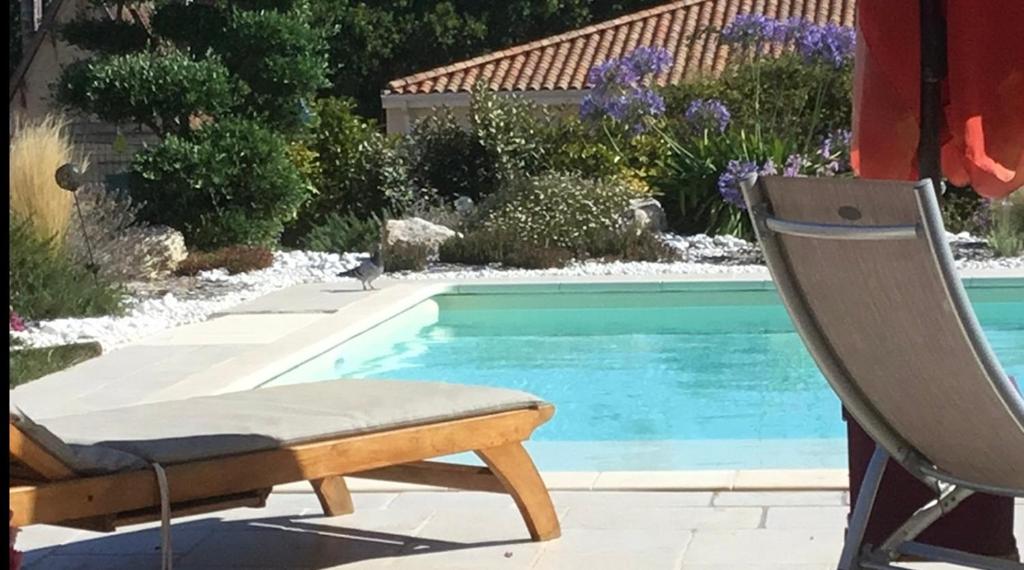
(558, 210)
(45, 283)
(405, 257)
(234, 259)
(487, 246)
(280, 56)
(231, 183)
(164, 91)
(629, 244)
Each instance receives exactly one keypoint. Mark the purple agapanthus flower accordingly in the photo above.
(735, 172)
(649, 60)
(830, 44)
(750, 29)
(834, 153)
(619, 90)
(708, 114)
(795, 165)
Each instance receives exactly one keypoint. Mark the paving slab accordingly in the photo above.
(461, 530)
(306, 298)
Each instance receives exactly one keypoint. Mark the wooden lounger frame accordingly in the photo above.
(43, 490)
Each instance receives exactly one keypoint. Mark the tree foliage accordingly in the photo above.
(196, 60)
(159, 90)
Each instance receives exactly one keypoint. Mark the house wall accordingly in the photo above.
(31, 97)
(403, 111)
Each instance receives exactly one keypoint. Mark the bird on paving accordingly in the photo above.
(367, 271)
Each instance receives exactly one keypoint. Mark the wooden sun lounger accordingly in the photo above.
(45, 489)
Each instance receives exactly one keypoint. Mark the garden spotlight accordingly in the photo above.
(69, 178)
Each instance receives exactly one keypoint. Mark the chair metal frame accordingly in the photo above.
(950, 490)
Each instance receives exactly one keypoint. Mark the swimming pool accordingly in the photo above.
(648, 376)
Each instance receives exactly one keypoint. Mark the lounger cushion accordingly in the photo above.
(216, 426)
(91, 459)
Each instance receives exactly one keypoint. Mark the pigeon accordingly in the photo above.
(367, 271)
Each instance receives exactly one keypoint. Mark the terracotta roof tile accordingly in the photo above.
(561, 62)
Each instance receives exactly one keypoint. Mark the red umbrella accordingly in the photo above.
(971, 92)
(958, 111)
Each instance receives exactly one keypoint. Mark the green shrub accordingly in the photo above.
(45, 283)
(341, 233)
(445, 157)
(27, 364)
(1006, 235)
(511, 130)
(405, 257)
(487, 245)
(575, 148)
(233, 259)
(230, 183)
(107, 36)
(163, 91)
(280, 56)
(559, 210)
(628, 244)
(503, 138)
(356, 171)
(963, 210)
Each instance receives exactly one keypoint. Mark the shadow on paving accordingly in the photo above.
(276, 542)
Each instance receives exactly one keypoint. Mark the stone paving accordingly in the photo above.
(458, 530)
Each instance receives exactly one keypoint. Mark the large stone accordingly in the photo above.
(143, 253)
(418, 232)
(646, 213)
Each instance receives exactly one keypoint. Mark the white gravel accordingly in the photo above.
(215, 291)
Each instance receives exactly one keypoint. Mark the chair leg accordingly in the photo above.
(513, 467)
(852, 549)
(333, 494)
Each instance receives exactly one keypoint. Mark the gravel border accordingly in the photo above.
(164, 304)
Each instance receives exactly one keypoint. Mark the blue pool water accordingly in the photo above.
(704, 376)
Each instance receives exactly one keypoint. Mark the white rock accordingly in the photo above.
(145, 252)
(417, 232)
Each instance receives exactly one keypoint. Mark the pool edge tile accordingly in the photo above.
(791, 480)
(710, 480)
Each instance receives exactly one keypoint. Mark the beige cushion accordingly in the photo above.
(254, 420)
(88, 459)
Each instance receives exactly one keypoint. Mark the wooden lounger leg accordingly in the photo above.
(513, 467)
(333, 495)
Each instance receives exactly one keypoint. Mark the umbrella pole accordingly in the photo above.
(933, 71)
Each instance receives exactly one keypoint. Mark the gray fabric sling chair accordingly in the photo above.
(867, 276)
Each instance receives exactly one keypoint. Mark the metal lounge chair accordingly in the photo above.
(155, 461)
(867, 276)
